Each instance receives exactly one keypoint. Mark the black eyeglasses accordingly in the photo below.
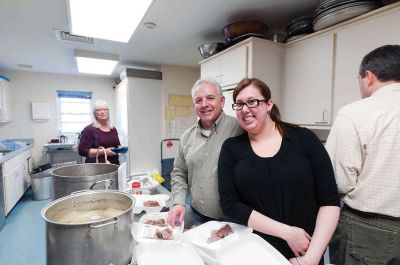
(251, 103)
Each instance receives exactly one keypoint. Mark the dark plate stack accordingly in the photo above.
(298, 28)
(331, 12)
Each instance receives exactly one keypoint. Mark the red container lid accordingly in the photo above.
(135, 184)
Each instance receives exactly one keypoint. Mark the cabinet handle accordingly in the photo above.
(325, 115)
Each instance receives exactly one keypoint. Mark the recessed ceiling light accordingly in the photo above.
(111, 20)
(89, 62)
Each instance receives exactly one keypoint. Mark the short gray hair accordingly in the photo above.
(101, 104)
(206, 81)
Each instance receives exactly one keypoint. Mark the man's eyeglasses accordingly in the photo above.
(102, 109)
(251, 103)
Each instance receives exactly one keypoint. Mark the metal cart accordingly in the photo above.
(169, 148)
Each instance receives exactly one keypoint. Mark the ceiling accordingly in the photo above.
(27, 35)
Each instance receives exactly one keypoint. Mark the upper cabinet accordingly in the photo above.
(321, 69)
(308, 81)
(5, 115)
(253, 57)
(354, 41)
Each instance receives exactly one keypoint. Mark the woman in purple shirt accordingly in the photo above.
(99, 133)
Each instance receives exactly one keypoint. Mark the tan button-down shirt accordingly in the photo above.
(364, 145)
(195, 166)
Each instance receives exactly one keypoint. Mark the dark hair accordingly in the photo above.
(384, 62)
(266, 93)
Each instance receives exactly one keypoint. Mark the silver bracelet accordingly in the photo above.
(300, 261)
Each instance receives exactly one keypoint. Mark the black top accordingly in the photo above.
(288, 187)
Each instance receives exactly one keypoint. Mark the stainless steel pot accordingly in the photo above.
(71, 178)
(105, 241)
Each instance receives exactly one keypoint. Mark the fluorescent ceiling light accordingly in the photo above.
(107, 19)
(95, 63)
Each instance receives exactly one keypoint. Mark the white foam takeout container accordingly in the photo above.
(250, 249)
(167, 253)
(198, 237)
(140, 199)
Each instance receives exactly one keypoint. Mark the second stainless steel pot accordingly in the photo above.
(104, 241)
(71, 178)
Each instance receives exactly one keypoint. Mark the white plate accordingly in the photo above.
(198, 236)
(140, 199)
(156, 216)
(167, 253)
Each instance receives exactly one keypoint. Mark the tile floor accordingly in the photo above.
(22, 240)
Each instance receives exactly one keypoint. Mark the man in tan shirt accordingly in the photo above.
(364, 145)
(195, 165)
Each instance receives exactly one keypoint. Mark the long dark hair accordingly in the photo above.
(266, 93)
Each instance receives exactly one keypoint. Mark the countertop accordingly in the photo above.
(7, 156)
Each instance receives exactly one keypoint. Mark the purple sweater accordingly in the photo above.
(92, 137)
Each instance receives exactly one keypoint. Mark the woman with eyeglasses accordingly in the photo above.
(277, 178)
(99, 133)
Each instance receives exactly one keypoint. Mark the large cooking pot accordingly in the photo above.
(77, 234)
(71, 178)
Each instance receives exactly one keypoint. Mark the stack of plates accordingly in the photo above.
(330, 12)
(299, 27)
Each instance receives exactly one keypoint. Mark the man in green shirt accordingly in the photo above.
(195, 166)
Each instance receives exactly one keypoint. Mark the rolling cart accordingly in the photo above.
(169, 148)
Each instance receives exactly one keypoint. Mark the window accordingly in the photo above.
(74, 111)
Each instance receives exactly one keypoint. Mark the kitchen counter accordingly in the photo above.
(11, 154)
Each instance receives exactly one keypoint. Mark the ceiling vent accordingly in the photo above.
(67, 36)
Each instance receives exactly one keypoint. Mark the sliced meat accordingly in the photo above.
(151, 203)
(159, 222)
(166, 234)
(220, 233)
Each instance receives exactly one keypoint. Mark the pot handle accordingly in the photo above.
(79, 191)
(105, 155)
(107, 184)
(101, 225)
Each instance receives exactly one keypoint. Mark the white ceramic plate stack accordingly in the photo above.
(331, 12)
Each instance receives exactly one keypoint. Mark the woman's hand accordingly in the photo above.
(304, 260)
(298, 240)
(109, 152)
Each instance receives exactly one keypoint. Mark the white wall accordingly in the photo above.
(28, 87)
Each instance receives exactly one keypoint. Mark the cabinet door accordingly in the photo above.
(308, 81)
(353, 43)
(234, 66)
(4, 101)
(211, 69)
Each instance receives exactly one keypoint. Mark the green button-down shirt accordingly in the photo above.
(195, 165)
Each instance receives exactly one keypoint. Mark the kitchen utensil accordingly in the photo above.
(63, 139)
(240, 28)
(120, 149)
(209, 49)
(68, 179)
(105, 240)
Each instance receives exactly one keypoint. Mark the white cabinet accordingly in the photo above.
(354, 41)
(253, 57)
(16, 179)
(5, 115)
(308, 81)
(228, 68)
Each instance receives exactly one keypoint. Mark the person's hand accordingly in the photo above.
(176, 215)
(109, 152)
(298, 240)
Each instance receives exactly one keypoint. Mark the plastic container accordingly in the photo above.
(136, 188)
(41, 183)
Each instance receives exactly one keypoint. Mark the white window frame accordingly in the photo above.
(73, 94)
